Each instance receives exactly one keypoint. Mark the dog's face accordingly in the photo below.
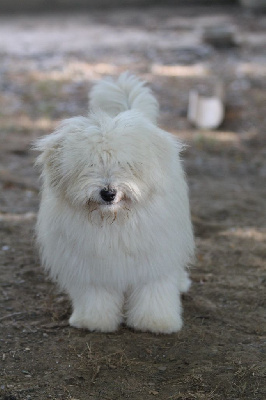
(106, 164)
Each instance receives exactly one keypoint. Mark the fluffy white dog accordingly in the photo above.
(114, 223)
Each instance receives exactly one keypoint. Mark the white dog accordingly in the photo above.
(114, 223)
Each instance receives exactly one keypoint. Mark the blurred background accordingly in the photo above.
(51, 53)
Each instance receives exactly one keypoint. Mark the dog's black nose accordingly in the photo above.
(108, 195)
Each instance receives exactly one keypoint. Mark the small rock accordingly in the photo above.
(154, 392)
(5, 248)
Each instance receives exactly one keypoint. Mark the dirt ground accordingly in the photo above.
(48, 64)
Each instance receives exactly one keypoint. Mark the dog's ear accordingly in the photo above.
(49, 146)
(49, 160)
(170, 142)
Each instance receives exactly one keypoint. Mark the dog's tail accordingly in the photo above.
(126, 93)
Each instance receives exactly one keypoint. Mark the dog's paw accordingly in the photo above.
(93, 324)
(155, 324)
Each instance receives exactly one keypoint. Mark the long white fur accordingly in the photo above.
(124, 261)
(128, 92)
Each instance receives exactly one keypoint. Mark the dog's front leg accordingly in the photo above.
(155, 307)
(96, 309)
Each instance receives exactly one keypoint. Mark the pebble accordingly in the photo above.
(5, 248)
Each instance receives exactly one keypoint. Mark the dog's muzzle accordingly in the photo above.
(108, 195)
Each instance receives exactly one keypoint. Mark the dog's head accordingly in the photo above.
(106, 164)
